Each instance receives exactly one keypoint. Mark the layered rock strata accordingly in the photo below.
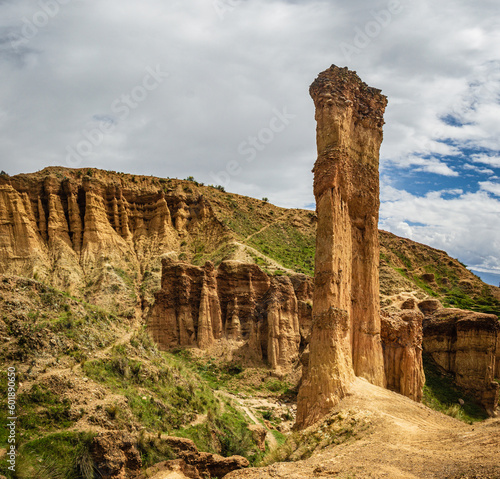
(402, 345)
(75, 228)
(466, 344)
(239, 302)
(345, 338)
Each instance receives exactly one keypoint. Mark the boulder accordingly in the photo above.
(115, 455)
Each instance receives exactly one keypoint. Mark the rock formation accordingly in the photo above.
(402, 345)
(115, 455)
(92, 229)
(466, 344)
(345, 338)
(239, 302)
(193, 463)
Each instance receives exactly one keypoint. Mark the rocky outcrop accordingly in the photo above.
(259, 433)
(402, 345)
(238, 302)
(345, 338)
(115, 455)
(465, 344)
(194, 464)
(96, 230)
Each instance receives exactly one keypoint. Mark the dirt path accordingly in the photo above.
(405, 440)
(240, 404)
(244, 252)
(265, 227)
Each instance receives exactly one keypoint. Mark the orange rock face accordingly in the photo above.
(466, 344)
(238, 302)
(345, 338)
(75, 227)
(402, 345)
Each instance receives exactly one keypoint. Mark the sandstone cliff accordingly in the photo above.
(345, 338)
(125, 238)
(402, 344)
(466, 344)
(96, 231)
(238, 302)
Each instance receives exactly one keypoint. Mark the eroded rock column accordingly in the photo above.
(345, 338)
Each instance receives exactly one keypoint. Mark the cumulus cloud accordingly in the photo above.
(77, 75)
(486, 159)
(482, 171)
(429, 165)
(464, 226)
(490, 187)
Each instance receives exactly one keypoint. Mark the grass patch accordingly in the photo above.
(153, 450)
(41, 411)
(288, 246)
(337, 428)
(57, 456)
(161, 394)
(441, 394)
(226, 433)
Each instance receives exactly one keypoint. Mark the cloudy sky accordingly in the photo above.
(218, 90)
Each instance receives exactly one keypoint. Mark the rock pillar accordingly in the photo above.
(345, 338)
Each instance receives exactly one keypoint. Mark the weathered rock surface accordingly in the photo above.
(402, 345)
(238, 302)
(259, 433)
(116, 455)
(75, 228)
(345, 338)
(193, 464)
(466, 344)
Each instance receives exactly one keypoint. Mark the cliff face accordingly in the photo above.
(402, 345)
(238, 302)
(75, 228)
(466, 344)
(345, 338)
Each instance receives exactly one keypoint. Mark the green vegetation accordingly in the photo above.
(229, 427)
(42, 410)
(482, 303)
(161, 392)
(455, 287)
(63, 455)
(337, 428)
(441, 394)
(153, 450)
(287, 245)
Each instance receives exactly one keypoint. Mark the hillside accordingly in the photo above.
(81, 371)
(101, 235)
(80, 261)
(375, 433)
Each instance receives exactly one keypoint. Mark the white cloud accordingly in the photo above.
(482, 171)
(466, 226)
(487, 160)
(429, 165)
(490, 187)
(433, 60)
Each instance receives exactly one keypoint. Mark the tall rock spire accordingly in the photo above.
(345, 338)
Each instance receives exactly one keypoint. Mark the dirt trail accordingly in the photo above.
(240, 404)
(405, 440)
(266, 227)
(242, 254)
(74, 371)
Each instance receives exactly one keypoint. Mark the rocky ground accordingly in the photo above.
(389, 436)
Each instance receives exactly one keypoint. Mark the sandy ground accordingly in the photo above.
(405, 440)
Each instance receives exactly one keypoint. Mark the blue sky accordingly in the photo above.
(218, 89)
